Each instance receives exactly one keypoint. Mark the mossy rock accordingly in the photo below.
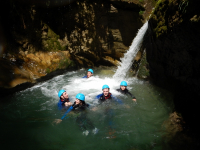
(52, 43)
(143, 71)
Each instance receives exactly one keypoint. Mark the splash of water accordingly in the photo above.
(126, 61)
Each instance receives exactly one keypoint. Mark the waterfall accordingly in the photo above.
(126, 61)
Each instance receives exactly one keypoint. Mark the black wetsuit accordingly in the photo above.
(126, 92)
(78, 107)
(83, 122)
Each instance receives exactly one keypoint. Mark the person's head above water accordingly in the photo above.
(89, 73)
(80, 99)
(62, 94)
(105, 90)
(123, 85)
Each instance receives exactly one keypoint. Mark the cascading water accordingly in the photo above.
(126, 61)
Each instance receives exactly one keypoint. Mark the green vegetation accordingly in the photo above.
(48, 70)
(66, 63)
(159, 17)
(52, 43)
(167, 13)
(141, 12)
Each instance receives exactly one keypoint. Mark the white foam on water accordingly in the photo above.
(73, 83)
(126, 61)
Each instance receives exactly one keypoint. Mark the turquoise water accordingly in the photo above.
(26, 118)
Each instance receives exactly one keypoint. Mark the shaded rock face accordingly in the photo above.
(38, 38)
(101, 28)
(172, 46)
(176, 55)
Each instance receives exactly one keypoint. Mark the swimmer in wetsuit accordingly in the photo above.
(79, 103)
(107, 95)
(89, 74)
(109, 113)
(84, 123)
(64, 99)
(123, 89)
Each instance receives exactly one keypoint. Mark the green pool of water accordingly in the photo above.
(26, 118)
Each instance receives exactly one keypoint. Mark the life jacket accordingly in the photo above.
(64, 100)
(103, 97)
(108, 96)
(61, 103)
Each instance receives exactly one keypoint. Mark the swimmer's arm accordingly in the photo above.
(117, 100)
(98, 96)
(70, 108)
(56, 121)
(134, 99)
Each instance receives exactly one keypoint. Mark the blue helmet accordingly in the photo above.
(80, 96)
(60, 93)
(123, 83)
(105, 87)
(90, 70)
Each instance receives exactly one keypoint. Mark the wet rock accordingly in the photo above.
(26, 52)
(33, 57)
(98, 33)
(138, 56)
(111, 60)
(22, 53)
(32, 67)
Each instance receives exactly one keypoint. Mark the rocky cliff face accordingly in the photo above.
(172, 46)
(40, 37)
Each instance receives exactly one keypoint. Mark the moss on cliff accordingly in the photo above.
(143, 71)
(159, 15)
(168, 13)
(51, 43)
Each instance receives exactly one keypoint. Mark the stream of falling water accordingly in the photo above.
(126, 61)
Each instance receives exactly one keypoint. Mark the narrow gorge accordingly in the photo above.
(45, 43)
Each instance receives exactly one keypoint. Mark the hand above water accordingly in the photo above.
(68, 103)
(57, 121)
(94, 108)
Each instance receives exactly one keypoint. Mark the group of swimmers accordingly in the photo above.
(80, 104)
